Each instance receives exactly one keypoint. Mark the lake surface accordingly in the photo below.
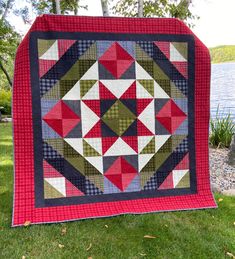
(223, 89)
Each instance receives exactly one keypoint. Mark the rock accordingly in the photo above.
(215, 188)
(230, 192)
(231, 154)
(222, 175)
(4, 120)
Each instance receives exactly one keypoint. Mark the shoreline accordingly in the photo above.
(223, 62)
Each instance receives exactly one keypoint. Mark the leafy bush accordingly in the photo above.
(222, 130)
(5, 101)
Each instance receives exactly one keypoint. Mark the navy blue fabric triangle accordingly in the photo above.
(130, 104)
(132, 130)
(105, 105)
(129, 73)
(147, 47)
(106, 131)
(104, 73)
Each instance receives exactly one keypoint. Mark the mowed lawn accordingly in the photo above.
(189, 234)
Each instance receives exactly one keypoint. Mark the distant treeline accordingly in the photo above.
(223, 54)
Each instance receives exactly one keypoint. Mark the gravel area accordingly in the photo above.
(222, 174)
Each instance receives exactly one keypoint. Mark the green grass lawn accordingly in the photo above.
(189, 234)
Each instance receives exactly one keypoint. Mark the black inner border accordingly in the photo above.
(37, 128)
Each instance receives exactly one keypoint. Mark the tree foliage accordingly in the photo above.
(9, 40)
(49, 6)
(157, 8)
(5, 101)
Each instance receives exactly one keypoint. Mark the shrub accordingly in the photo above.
(222, 130)
(5, 101)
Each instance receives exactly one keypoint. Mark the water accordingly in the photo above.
(223, 89)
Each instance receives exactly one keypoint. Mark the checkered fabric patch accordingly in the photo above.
(114, 117)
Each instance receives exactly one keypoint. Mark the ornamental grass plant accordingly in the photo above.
(222, 128)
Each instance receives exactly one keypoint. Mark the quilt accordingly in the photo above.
(110, 117)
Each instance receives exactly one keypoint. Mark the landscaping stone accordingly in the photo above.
(230, 192)
(231, 154)
(221, 173)
(4, 120)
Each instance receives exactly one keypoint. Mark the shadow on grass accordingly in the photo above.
(6, 147)
(6, 168)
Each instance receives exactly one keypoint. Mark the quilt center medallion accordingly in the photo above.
(116, 116)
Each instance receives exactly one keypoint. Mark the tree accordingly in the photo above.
(57, 4)
(105, 9)
(140, 8)
(49, 6)
(9, 39)
(156, 8)
(8, 43)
